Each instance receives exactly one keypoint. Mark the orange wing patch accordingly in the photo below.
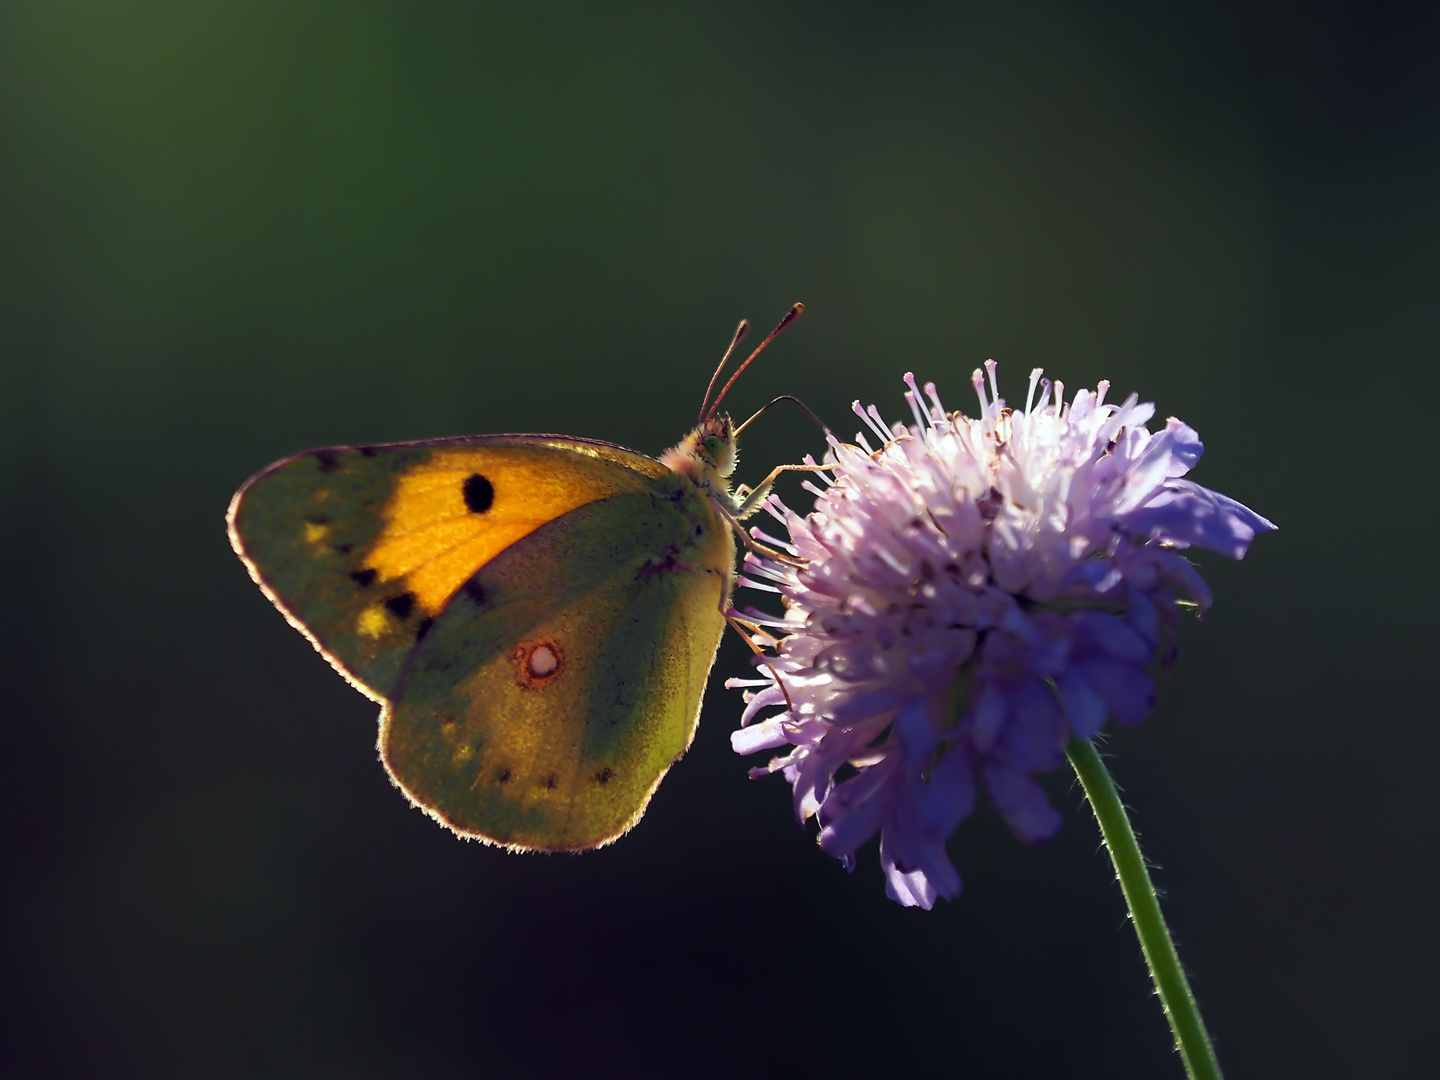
(457, 511)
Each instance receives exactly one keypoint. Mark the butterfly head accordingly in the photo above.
(717, 444)
(707, 455)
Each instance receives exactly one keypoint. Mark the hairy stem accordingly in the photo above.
(1174, 989)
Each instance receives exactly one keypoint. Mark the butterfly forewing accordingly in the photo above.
(361, 548)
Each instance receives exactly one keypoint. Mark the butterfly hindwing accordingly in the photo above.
(554, 691)
(362, 548)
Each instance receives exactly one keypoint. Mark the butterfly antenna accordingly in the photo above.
(740, 332)
(784, 397)
(790, 316)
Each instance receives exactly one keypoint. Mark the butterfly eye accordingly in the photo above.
(714, 447)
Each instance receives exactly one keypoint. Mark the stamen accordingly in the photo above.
(877, 428)
(761, 619)
(994, 389)
(809, 459)
(923, 421)
(1030, 397)
(880, 425)
(914, 402)
(935, 400)
(977, 380)
(755, 566)
(1101, 389)
(765, 538)
(747, 583)
(1044, 395)
(775, 508)
(915, 392)
(1059, 398)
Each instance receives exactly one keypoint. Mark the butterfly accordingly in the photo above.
(537, 615)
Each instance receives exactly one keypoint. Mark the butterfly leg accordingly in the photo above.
(749, 500)
(753, 545)
(745, 629)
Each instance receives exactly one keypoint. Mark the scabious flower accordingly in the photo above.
(974, 594)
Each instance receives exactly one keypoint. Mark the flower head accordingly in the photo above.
(974, 594)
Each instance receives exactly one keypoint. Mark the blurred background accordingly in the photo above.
(229, 231)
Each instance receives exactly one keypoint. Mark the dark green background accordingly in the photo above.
(231, 230)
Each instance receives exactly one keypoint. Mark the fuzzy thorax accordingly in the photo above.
(706, 456)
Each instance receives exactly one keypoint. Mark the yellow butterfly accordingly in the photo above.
(536, 614)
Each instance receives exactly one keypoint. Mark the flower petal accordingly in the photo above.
(1083, 706)
(765, 735)
(915, 878)
(1128, 690)
(1022, 804)
(950, 794)
(1184, 513)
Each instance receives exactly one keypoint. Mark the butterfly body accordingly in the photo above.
(537, 614)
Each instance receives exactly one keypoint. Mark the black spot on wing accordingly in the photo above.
(367, 451)
(550, 781)
(424, 627)
(401, 605)
(364, 578)
(326, 460)
(604, 775)
(479, 493)
(475, 591)
(503, 777)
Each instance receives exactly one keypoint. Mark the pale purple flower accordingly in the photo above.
(975, 593)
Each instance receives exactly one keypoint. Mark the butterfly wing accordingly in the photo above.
(362, 547)
(556, 689)
(539, 615)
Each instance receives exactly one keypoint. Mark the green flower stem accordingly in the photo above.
(1179, 1004)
